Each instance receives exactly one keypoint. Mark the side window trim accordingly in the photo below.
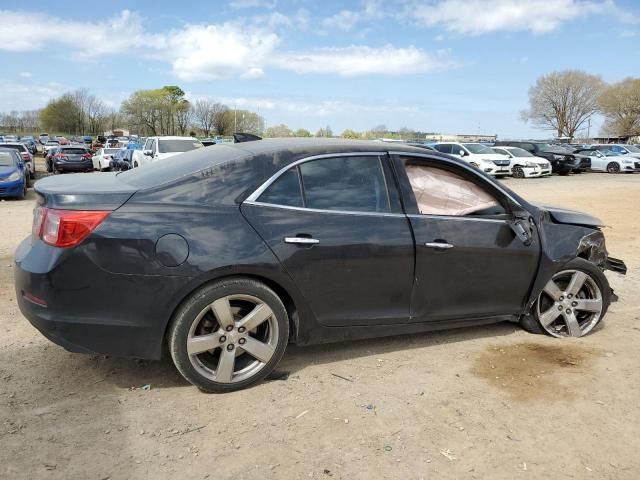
(253, 198)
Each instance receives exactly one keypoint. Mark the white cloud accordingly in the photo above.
(362, 60)
(27, 96)
(253, 4)
(477, 17)
(87, 40)
(252, 74)
(313, 108)
(25, 74)
(204, 52)
(215, 51)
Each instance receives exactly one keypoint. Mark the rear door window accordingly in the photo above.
(286, 190)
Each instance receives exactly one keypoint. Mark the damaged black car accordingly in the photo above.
(223, 256)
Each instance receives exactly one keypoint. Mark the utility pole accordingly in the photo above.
(589, 130)
(235, 119)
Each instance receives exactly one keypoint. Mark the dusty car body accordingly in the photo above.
(236, 250)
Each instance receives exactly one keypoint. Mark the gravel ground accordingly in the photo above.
(487, 402)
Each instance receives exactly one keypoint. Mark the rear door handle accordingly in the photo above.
(441, 245)
(301, 240)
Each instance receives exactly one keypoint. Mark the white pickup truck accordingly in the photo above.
(157, 148)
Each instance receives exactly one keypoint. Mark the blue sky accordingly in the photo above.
(450, 66)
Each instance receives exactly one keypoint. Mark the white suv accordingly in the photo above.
(478, 155)
(157, 148)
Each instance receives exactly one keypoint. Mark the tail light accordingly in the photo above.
(86, 156)
(60, 156)
(65, 228)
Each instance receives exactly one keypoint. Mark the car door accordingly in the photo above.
(469, 261)
(336, 224)
(598, 160)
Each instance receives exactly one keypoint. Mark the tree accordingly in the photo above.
(241, 121)
(205, 114)
(183, 114)
(60, 114)
(563, 101)
(620, 104)
(379, 130)
(160, 111)
(97, 115)
(348, 133)
(324, 132)
(302, 132)
(277, 131)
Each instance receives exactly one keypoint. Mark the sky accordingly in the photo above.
(448, 66)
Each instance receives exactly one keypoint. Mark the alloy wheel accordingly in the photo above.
(518, 172)
(613, 167)
(570, 304)
(233, 338)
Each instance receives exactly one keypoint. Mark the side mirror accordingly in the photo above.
(462, 153)
(148, 153)
(522, 227)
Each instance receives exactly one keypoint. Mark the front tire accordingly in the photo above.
(572, 303)
(613, 167)
(228, 335)
(517, 172)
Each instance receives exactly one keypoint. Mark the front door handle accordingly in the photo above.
(441, 245)
(301, 240)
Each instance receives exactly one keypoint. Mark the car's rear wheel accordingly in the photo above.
(228, 335)
(572, 303)
(613, 167)
(517, 172)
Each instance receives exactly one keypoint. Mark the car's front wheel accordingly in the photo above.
(228, 335)
(518, 172)
(613, 167)
(572, 303)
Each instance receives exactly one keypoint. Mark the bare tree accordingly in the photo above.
(563, 101)
(620, 104)
(205, 114)
(97, 114)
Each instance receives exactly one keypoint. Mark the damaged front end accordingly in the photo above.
(565, 235)
(592, 247)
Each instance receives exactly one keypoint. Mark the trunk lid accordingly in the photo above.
(95, 192)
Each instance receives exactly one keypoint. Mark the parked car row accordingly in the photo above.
(525, 159)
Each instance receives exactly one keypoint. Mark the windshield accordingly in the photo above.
(477, 148)
(519, 152)
(186, 145)
(52, 143)
(7, 160)
(111, 151)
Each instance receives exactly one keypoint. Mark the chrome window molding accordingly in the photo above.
(317, 210)
(256, 194)
(455, 217)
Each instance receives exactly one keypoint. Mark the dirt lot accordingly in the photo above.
(489, 402)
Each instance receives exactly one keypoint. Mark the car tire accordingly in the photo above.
(613, 167)
(595, 285)
(215, 314)
(517, 172)
(23, 193)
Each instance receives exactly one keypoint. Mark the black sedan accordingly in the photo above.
(70, 158)
(224, 255)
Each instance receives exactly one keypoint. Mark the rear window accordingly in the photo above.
(167, 146)
(74, 151)
(111, 151)
(20, 147)
(7, 160)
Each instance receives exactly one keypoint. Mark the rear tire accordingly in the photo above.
(209, 345)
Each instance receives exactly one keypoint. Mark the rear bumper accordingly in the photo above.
(84, 308)
(62, 166)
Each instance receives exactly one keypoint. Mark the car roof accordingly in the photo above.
(14, 143)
